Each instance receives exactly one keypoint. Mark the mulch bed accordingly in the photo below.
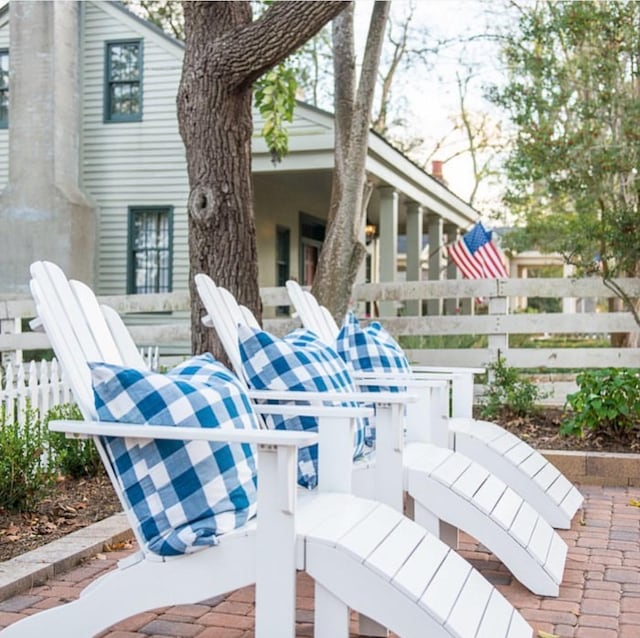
(72, 504)
(542, 432)
(77, 503)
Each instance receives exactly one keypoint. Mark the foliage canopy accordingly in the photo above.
(573, 95)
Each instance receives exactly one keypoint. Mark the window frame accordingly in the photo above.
(108, 116)
(132, 211)
(4, 122)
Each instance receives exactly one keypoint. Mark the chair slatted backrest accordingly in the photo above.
(249, 317)
(129, 351)
(70, 336)
(226, 321)
(78, 332)
(314, 317)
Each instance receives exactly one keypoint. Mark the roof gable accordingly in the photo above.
(141, 27)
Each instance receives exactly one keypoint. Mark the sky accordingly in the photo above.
(431, 95)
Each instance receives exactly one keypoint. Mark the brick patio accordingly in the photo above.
(599, 598)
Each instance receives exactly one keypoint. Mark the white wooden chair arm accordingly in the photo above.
(338, 397)
(461, 380)
(336, 443)
(446, 369)
(84, 429)
(182, 433)
(407, 380)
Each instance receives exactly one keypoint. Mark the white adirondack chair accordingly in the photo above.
(361, 554)
(444, 485)
(521, 467)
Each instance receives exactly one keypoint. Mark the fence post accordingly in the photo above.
(12, 325)
(9, 394)
(498, 343)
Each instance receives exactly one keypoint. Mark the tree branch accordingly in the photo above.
(283, 28)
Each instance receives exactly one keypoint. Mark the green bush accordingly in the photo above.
(26, 471)
(607, 400)
(76, 458)
(508, 391)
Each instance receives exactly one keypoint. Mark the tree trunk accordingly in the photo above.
(225, 52)
(343, 251)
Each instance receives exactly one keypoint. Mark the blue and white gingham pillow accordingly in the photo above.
(370, 349)
(183, 493)
(298, 361)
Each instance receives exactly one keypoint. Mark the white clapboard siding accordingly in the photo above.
(132, 163)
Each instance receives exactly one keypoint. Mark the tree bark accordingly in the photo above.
(225, 51)
(343, 251)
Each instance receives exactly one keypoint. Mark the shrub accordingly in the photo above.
(508, 391)
(26, 472)
(76, 458)
(607, 400)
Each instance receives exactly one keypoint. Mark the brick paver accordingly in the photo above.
(599, 596)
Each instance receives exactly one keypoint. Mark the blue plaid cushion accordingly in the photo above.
(370, 349)
(298, 361)
(183, 494)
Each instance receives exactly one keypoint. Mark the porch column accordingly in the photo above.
(415, 217)
(388, 244)
(451, 305)
(434, 306)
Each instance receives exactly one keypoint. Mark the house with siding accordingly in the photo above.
(93, 171)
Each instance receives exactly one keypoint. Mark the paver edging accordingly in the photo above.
(597, 468)
(35, 567)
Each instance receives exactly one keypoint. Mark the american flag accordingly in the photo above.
(477, 256)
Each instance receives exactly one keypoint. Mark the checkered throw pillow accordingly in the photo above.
(298, 361)
(370, 349)
(183, 493)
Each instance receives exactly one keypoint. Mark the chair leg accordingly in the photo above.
(331, 617)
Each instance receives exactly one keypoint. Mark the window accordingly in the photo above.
(283, 262)
(150, 250)
(123, 78)
(4, 88)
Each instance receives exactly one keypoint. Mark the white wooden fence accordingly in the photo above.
(37, 386)
(40, 386)
(162, 320)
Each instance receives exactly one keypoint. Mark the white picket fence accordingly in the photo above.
(41, 386)
(37, 386)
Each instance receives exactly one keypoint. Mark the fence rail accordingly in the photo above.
(162, 320)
